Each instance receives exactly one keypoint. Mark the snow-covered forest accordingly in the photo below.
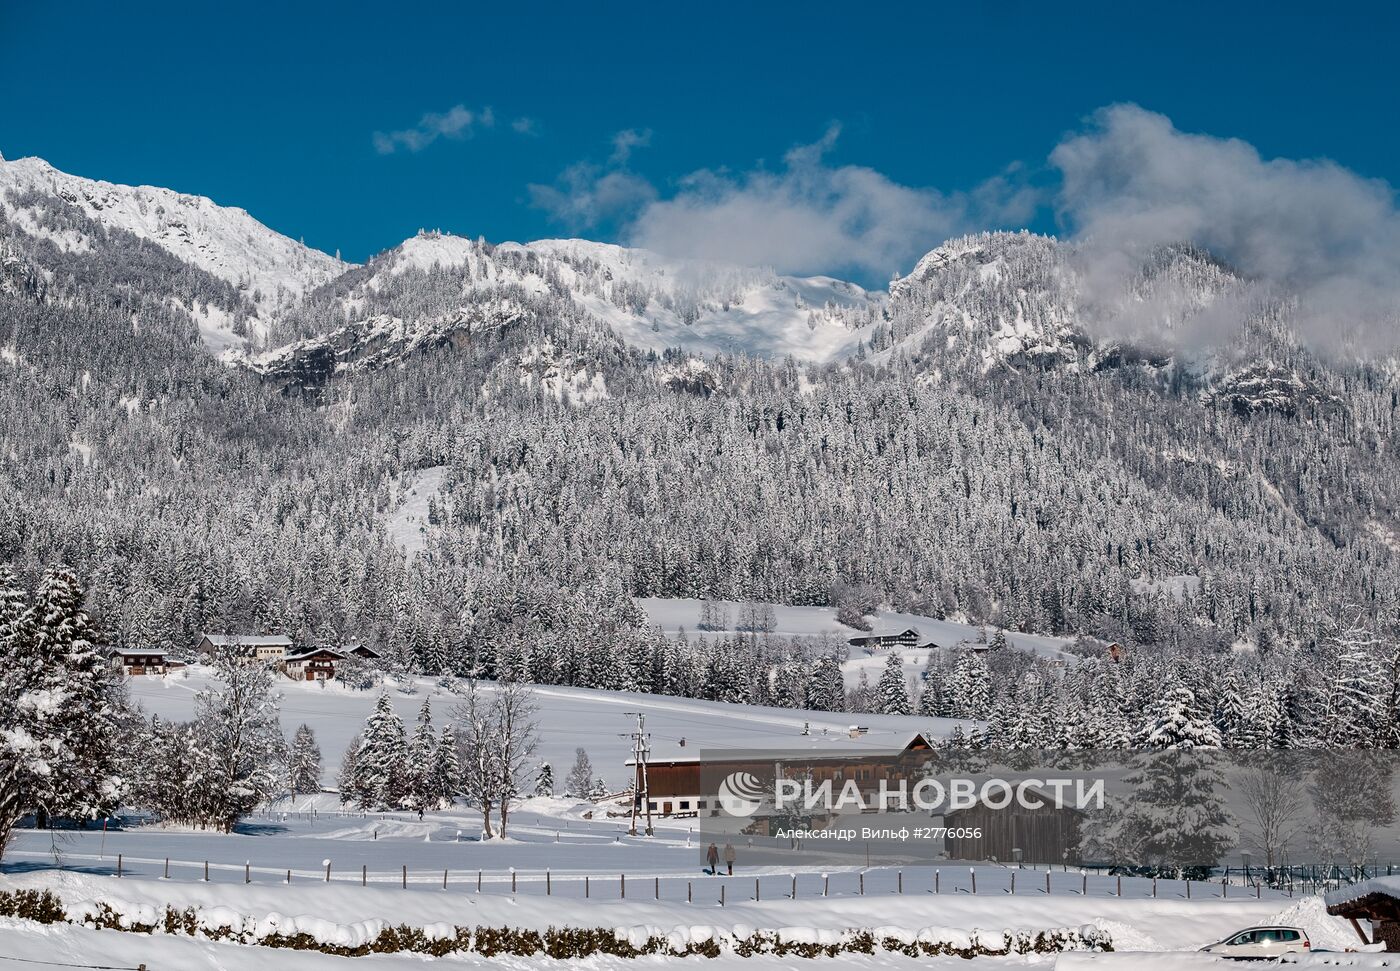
(1229, 516)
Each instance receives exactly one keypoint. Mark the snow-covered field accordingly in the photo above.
(566, 863)
(598, 721)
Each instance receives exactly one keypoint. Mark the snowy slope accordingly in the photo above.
(712, 307)
(226, 242)
(643, 299)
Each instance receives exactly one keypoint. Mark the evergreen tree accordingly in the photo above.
(382, 776)
(544, 781)
(304, 762)
(892, 691)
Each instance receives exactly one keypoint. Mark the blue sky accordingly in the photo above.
(336, 123)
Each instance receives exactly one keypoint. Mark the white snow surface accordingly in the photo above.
(408, 524)
(569, 718)
(731, 309)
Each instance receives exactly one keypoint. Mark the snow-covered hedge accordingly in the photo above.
(381, 937)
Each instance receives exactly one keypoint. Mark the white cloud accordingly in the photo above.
(625, 141)
(586, 195)
(1133, 182)
(807, 217)
(812, 217)
(458, 122)
(525, 126)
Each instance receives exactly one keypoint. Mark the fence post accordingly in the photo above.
(721, 895)
(119, 866)
(755, 890)
(1154, 887)
(167, 868)
(794, 886)
(206, 871)
(289, 877)
(548, 888)
(1188, 889)
(405, 876)
(623, 886)
(862, 883)
(1047, 881)
(1120, 885)
(444, 878)
(1013, 883)
(585, 888)
(512, 879)
(658, 888)
(327, 864)
(247, 871)
(364, 875)
(1084, 887)
(826, 884)
(688, 887)
(936, 874)
(899, 880)
(478, 881)
(973, 871)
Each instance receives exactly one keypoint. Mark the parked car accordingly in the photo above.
(1262, 942)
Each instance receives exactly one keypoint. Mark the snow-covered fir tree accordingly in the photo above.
(544, 780)
(892, 691)
(58, 706)
(383, 777)
(304, 762)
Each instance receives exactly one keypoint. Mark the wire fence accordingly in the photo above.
(719, 888)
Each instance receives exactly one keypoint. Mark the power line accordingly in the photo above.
(65, 964)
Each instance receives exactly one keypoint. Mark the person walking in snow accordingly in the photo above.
(729, 857)
(712, 859)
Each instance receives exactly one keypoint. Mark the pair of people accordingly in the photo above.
(712, 857)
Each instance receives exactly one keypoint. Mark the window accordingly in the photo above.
(1290, 936)
(1248, 937)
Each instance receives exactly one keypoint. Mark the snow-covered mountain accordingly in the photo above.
(272, 270)
(300, 316)
(436, 288)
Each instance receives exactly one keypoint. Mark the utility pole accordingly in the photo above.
(641, 794)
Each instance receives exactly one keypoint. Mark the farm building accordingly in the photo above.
(883, 640)
(141, 661)
(269, 649)
(319, 663)
(675, 784)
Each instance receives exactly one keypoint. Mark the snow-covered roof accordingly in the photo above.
(138, 651)
(813, 746)
(313, 651)
(886, 632)
(1387, 886)
(248, 640)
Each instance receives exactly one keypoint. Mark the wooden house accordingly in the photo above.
(1014, 833)
(884, 640)
(675, 784)
(140, 661)
(253, 648)
(315, 664)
